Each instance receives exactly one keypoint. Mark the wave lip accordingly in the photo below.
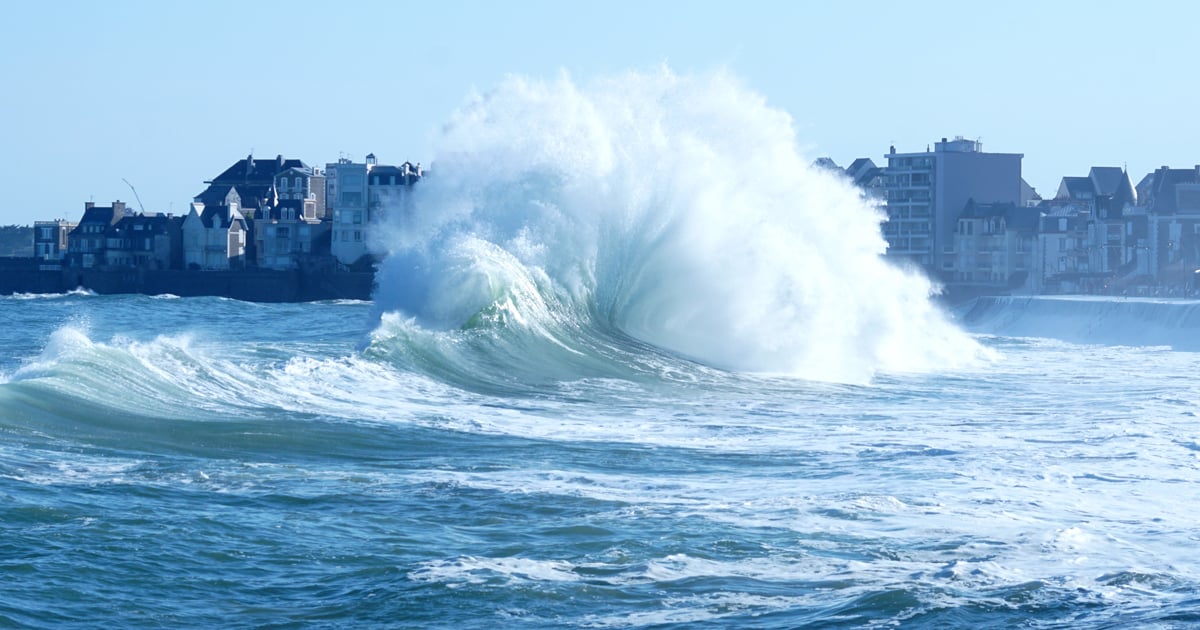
(673, 209)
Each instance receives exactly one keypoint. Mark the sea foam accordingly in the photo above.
(674, 209)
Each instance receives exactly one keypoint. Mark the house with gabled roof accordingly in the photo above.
(214, 237)
(145, 241)
(288, 233)
(262, 183)
(995, 245)
(1061, 259)
(1115, 229)
(1171, 201)
(87, 243)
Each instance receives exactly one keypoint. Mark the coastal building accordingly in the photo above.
(870, 178)
(360, 194)
(288, 233)
(1172, 205)
(50, 240)
(215, 237)
(1116, 230)
(927, 191)
(264, 182)
(1061, 258)
(346, 197)
(862, 171)
(995, 245)
(389, 192)
(86, 244)
(145, 241)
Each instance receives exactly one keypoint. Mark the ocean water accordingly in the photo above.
(630, 364)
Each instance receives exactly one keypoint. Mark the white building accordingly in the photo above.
(214, 237)
(360, 195)
(50, 239)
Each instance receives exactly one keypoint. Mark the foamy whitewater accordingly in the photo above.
(631, 363)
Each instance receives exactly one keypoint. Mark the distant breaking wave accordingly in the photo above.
(565, 228)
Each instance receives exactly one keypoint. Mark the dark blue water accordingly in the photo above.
(211, 463)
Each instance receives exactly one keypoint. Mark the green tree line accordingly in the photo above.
(16, 240)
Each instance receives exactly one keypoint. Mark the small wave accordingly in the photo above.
(79, 292)
(472, 570)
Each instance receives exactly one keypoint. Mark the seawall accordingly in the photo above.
(27, 275)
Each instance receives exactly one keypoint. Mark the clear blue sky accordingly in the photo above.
(168, 94)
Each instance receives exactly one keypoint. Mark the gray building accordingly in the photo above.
(926, 193)
(360, 195)
(50, 240)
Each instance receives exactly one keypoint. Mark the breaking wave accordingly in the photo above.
(648, 214)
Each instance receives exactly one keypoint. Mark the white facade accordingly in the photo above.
(360, 195)
(50, 239)
(346, 196)
(213, 247)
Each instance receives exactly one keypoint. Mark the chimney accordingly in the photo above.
(88, 205)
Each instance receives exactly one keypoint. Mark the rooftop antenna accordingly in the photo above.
(135, 195)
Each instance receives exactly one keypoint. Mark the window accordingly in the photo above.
(283, 182)
(357, 235)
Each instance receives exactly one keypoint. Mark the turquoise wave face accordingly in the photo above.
(200, 460)
(674, 210)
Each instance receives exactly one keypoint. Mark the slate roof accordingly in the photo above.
(253, 178)
(296, 170)
(221, 216)
(1019, 218)
(826, 162)
(151, 224)
(1125, 192)
(217, 194)
(1022, 218)
(105, 215)
(405, 174)
(1106, 179)
(1076, 188)
(276, 213)
(859, 165)
(251, 170)
(1161, 191)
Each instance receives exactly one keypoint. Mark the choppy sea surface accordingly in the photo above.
(204, 462)
(631, 363)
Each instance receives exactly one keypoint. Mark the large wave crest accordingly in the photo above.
(673, 209)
